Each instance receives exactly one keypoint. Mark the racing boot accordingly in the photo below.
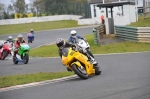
(93, 61)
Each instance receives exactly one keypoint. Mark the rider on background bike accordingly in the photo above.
(74, 37)
(17, 43)
(32, 32)
(10, 39)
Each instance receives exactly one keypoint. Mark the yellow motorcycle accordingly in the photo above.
(79, 63)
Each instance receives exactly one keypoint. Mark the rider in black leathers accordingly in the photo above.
(61, 43)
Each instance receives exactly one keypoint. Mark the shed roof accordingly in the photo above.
(105, 1)
(113, 4)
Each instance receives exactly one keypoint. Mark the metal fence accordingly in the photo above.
(136, 34)
(98, 33)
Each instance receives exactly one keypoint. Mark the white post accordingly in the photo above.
(103, 1)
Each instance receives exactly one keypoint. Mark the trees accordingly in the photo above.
(39, 6)
(2, 9)
(47, 7)
(20, 6)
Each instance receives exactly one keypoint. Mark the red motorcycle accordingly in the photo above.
(5, 50)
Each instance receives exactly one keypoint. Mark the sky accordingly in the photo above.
(7, 2)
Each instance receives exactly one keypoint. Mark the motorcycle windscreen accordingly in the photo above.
(65, 52)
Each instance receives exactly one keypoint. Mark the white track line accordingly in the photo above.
(37, 83)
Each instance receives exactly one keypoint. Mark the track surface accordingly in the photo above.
(124, 76)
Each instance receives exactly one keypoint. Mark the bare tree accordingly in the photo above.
(39, 6)
(10, 9)
(2, 10)
(20, 6)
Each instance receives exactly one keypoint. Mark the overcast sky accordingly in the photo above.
(7, 2)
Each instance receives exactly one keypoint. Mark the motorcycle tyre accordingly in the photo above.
(26, 58)
(78, 72)
(97, 70)
(4, 55)
(15, 61)
(29, 41)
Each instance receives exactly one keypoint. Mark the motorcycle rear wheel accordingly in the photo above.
(4, 55)
(79, 72)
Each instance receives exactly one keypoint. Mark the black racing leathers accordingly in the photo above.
(60, 50)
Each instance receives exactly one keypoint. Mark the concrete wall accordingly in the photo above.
(88, 21)
(39, 19)
(129, 14)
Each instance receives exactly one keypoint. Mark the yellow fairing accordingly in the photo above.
(76, 63)
(73, 55)
(89, 67)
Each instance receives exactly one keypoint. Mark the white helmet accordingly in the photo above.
(31, 30)
(73, 33)
(10, 37)
(20, 37)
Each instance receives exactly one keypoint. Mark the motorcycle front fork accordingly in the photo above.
(91, 59)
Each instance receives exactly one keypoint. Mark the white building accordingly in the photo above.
(123, 12)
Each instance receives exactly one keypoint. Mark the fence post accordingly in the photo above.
(95, 36)
(98, 33)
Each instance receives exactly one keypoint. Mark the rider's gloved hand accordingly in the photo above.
(74, 47)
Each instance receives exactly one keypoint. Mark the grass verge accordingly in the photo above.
(18, 28)
(28, 78)
(121, 47)
(141, 22)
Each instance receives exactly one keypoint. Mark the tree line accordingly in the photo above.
(43, 8)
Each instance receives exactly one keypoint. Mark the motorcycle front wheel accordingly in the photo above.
(4, 55)
(26, 58)
(81, 72)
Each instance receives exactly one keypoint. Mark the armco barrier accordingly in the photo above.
(136, 34)
(98, 33)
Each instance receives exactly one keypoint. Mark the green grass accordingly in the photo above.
(18, 28)
(119, 47)
(44, 51)
(52, 50)
(141, 22)
(28, 78)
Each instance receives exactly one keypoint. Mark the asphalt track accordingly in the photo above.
(124, 76)
(50, 36)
